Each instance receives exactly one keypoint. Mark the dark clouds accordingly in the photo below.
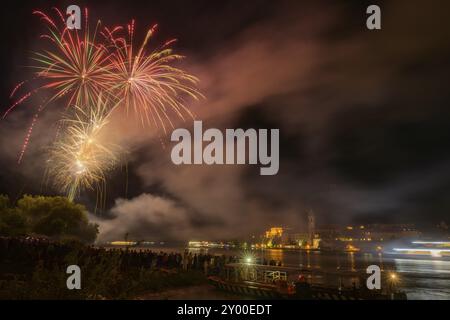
(362, 115)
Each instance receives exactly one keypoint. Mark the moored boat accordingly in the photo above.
(270, 282)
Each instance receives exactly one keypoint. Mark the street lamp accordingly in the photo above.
(393, 279)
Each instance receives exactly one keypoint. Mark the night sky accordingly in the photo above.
(363, 115)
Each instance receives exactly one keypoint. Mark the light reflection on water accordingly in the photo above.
(421, 279)
(423, 266)
(425, 279)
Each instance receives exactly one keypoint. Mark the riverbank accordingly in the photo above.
(195, 292)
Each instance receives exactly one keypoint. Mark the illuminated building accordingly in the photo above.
(277, 237)
(273, 237)
(274, 232)
(370, 237)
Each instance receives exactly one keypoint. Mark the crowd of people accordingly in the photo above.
(22, 254)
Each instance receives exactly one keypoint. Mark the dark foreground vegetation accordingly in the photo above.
(34, 268)
(52, 217)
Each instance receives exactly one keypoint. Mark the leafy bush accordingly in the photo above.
(55, 217)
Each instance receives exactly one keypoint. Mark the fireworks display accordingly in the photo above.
(80, 157)
(77, 67)
(147, 84)
(90, 75)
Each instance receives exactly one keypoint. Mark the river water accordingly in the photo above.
(422, 278)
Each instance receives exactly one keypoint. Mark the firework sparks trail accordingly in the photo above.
(76, 66)
(79, 159)
(29, 133)
(148, 84)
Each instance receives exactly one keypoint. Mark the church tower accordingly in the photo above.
(311, 227)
